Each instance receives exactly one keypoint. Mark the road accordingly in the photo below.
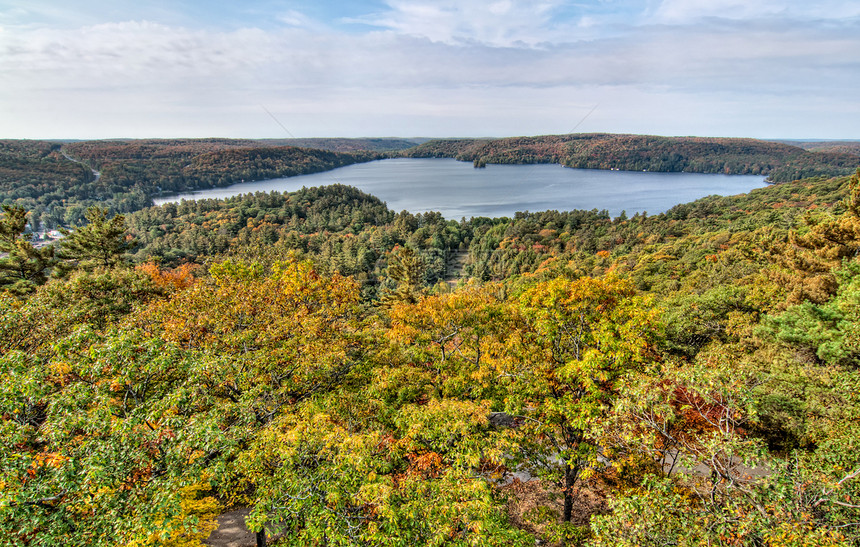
(96, 174)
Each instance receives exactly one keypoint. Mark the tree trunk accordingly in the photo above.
(261, 538)
(570, 475)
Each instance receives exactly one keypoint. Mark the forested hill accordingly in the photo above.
(182, 165)
(36, 172)
(779, 161)
(56, 182)
(347, 145)
(345, 230)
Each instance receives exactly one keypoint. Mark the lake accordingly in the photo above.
(456, 189)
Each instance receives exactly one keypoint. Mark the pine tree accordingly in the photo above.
(406, 269)
(24, 267)
(100, 244)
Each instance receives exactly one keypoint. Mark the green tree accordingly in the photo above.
(24, 267)
(406, 270)
(830, 330)
(100, 244)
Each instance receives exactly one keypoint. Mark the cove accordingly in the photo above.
(456, 189)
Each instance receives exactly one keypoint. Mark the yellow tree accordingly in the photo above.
(805, 265)
(459, 339)
(263, 346)
(582, 339)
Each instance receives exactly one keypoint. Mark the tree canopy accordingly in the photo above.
(687, 378)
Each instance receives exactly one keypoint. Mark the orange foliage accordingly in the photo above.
(427, 465)
(177, 278)
(698, 414)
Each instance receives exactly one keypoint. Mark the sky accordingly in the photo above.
(91, 69)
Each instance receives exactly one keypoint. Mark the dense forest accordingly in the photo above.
(779, 161)
(357, 376)
(850, 147)
(388, 144)
(57, 182)
(36, 176)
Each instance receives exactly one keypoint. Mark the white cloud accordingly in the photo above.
(435, 69)
(150, 54)
(504, 23)
(294, 18)
(681, 11)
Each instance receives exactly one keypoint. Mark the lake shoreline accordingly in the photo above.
(458, 190)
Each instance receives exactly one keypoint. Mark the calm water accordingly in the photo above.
(456, 189)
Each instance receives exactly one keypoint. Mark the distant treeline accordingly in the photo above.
(848, 147)
(778, 161)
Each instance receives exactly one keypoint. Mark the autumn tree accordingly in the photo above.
(714, 481)
(109, 434)
(583, 339)
(459, 339)
(806, 263)
(90, 452)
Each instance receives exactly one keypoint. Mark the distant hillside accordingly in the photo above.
(180, 165)
(110, 151)
(33, 169)
(56, 182)
(780, 162)
(347, 145)
(845, 147)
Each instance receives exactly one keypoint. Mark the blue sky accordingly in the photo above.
(122, 68)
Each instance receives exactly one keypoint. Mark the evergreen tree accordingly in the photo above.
(24, 267)
(406, 269)
(100, 244)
